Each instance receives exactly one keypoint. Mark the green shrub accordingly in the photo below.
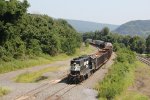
(87, 43)
(118, 46)
(4, 91)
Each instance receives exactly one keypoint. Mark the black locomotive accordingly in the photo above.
(82, 67)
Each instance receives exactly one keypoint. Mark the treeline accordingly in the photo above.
(135, 43)
(23, 35)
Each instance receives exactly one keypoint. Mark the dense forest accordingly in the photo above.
(135, 43)
(23, 35)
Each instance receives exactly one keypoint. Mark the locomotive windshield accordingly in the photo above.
(75, 65)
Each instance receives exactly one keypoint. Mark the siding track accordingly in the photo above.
(144, 60)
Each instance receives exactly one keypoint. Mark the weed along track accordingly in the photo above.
(33, 93)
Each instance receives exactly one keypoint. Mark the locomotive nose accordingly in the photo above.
(75, 68)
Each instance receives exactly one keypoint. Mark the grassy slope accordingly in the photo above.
(119, 77)
(44, 59)
(135, 95)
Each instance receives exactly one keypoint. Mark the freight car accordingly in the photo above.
(82, 67)
(97, 43)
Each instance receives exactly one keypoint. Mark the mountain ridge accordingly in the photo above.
(87, 26)
(135, 27)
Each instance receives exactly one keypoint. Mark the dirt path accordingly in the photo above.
(81, 92)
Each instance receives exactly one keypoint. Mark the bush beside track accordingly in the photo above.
(120, 76)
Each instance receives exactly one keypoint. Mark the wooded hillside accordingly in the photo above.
(24, 35)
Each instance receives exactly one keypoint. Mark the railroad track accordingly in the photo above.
(144, 60)
(57, 95)
(61, 92)
(32, 94)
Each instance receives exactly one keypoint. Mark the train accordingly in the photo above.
(84, 66)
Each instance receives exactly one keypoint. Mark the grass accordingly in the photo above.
(34, 76)
(4, 91)
(43, 59)
(19, 64)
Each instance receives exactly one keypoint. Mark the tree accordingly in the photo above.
(105, 31)
(97, 35)
(137, 44)
(126, 40)
(148, 44)
(12, 10)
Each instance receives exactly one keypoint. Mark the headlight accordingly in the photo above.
(77, 68)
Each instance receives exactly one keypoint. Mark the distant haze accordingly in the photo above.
(100, 11)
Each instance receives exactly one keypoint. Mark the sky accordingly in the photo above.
(101, 11)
